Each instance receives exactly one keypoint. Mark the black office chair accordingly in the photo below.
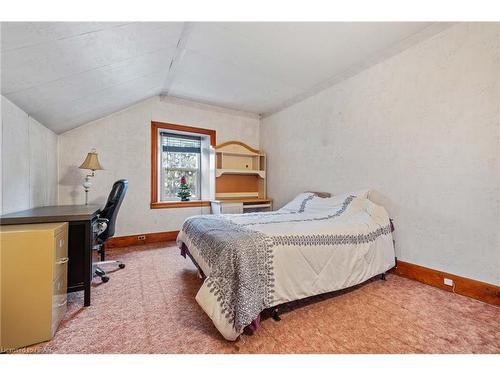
(106, 227)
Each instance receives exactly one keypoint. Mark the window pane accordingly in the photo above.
(181, 160)
(174, 166)
(172, 183)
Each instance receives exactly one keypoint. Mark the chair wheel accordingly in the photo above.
(99, 272)
(105, 279)
(121, 265)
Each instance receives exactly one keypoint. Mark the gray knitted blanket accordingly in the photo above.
(241, 263)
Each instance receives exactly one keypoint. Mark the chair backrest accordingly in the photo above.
(110, 210)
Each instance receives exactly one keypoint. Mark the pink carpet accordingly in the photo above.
(149, 307)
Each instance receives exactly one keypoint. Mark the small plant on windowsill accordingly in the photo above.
(184, 192)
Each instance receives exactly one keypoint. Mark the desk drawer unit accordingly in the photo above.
(34, 272)
(242, 206)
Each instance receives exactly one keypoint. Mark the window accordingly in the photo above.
(181, 151)
(180, 157)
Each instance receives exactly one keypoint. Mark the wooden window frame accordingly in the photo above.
(155, 126)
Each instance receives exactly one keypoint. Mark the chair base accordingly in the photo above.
(99, 272)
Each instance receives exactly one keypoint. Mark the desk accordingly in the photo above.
(81, 220)
(241, 205)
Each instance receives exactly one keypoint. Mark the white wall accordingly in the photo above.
(423, 129)
(123, 142)
(29, 161)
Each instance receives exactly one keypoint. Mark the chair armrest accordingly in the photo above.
(102, 224)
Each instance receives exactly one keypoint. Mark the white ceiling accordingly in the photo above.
(66, 74)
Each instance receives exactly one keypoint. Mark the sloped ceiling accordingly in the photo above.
(66, 74)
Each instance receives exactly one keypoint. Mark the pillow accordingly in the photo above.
(298, 203)
(318, 204)
(363, 193)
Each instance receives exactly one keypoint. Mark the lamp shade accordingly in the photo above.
(91, 162)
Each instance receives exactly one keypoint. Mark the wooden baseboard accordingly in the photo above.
(134, 240)
(467, 287)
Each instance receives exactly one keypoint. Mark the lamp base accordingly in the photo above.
(86, 197)
(86, 187)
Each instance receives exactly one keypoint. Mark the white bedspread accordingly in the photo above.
(313, 250)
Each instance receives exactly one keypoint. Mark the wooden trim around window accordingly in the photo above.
(155, 126)
(184, 128)
(180, 204)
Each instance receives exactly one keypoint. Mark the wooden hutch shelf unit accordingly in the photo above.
(240, 184)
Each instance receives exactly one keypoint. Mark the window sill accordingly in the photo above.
(179, 204)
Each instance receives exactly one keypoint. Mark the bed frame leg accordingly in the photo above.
(382, 276)
(276, 316)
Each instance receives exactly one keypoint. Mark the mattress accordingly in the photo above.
(259, 260)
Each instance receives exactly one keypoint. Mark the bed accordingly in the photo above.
(313, 245)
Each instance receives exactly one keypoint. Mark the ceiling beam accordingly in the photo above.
(177, 58)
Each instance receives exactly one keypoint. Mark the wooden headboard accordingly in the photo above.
(321, 194)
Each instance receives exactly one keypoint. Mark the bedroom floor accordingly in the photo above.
(149, 307)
